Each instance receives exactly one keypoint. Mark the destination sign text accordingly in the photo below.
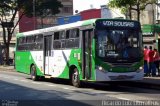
(118, 23)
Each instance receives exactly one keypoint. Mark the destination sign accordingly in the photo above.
(117, 23)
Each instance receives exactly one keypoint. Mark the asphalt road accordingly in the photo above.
(19, 90)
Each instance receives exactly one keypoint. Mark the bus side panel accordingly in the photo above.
(64, 59)
(59, 63)
(29, 58)
(36, 58)
(65, 64)
(22, 57)
(75, 59)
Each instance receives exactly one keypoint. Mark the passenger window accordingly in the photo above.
(56, 42)
(62, 35)
(56, 35)
(66, 39)
(72, 40)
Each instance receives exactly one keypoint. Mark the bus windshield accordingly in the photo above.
(115, 45)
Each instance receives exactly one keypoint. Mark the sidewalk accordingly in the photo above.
(153, 80)
(6, 68)
(150, 82)
(147, 82)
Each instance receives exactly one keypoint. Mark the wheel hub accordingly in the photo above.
(75, 77)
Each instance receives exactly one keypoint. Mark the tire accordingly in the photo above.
(75, 78)
(34, 76)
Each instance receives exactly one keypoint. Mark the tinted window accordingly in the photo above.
(33, 42)
(66, 39)
(72, 40)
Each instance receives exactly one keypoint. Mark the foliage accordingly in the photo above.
(42, 7)
(11, 7)
(128, 5)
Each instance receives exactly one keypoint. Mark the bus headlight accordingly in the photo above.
(100, 68)
(140, 69)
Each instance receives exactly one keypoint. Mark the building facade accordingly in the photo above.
(150, 21)
(28, 24)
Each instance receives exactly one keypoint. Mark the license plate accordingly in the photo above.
(122, 77)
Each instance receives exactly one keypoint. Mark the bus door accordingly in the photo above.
(47, 54)
(86, 53)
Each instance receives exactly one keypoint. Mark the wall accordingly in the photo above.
(110, 13)
(90, 14)
(68, 19)
(26, 24)
(151, 35)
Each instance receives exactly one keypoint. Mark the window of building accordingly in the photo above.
(67, 9)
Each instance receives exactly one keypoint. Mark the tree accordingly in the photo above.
(128, 5)
(11, 7)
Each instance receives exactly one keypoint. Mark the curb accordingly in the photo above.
(7, 68)
(141, 84)
(150, 85)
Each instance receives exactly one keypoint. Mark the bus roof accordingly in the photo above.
(59, 27)
(63, 27)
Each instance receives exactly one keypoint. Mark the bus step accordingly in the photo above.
(47, 76)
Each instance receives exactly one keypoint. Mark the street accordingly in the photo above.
(18, 89)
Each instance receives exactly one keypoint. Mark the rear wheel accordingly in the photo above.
(34, 76)
(75, 78)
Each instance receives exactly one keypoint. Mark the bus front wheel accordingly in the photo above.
(75, 78)
(34, 76)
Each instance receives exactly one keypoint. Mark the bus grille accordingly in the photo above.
(121, 77)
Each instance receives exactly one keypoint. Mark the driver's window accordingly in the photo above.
(102, 42)
(133, 39)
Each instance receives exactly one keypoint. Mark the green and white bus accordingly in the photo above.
(91, 50)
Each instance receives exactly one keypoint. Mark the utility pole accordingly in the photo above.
(34, 14)
(153, 14)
